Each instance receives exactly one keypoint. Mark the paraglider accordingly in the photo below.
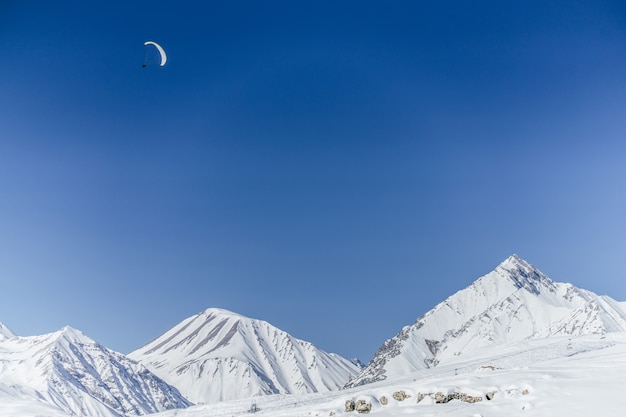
(152, 54)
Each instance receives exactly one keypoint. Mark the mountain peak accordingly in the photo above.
(215, 311)
(71, 332)
(514, 262)
(68, 334)
(524, 275)
(5, 332)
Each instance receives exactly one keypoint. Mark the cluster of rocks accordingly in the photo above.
(398, 396)
(441, 398)
(363, 407)
(360, 406)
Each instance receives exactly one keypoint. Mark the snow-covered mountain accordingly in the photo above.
(514, 302)
(66, 372)
(218, 355)
(513, 332)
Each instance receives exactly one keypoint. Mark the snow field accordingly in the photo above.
(587, 382)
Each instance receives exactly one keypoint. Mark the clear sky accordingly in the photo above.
(335, 168)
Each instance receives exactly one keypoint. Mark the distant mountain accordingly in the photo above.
(514, 302)
(71, 373)
(219, 355)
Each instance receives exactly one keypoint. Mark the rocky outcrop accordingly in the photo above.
(441, 398)
(362, 407)
(349, 406)
(400, 395)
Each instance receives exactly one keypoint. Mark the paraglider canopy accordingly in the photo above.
(159, 49)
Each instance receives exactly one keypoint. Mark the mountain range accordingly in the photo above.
(218, 355)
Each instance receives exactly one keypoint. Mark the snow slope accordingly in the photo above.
(5, 333)
(218, 355)
(577, 376)
(515, 302)
(67, 372)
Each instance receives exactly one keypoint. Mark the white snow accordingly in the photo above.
(557, 376)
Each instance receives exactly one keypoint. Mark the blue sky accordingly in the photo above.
(335, 168)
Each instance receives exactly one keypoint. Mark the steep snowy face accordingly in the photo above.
(513, 302)
(525, 276)
(5, 333)
(72, 373)
(219, 355)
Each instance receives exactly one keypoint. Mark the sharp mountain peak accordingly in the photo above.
(5, 332)
(524, 275)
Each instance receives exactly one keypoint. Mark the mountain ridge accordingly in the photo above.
(72, 372)
(208, 355)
